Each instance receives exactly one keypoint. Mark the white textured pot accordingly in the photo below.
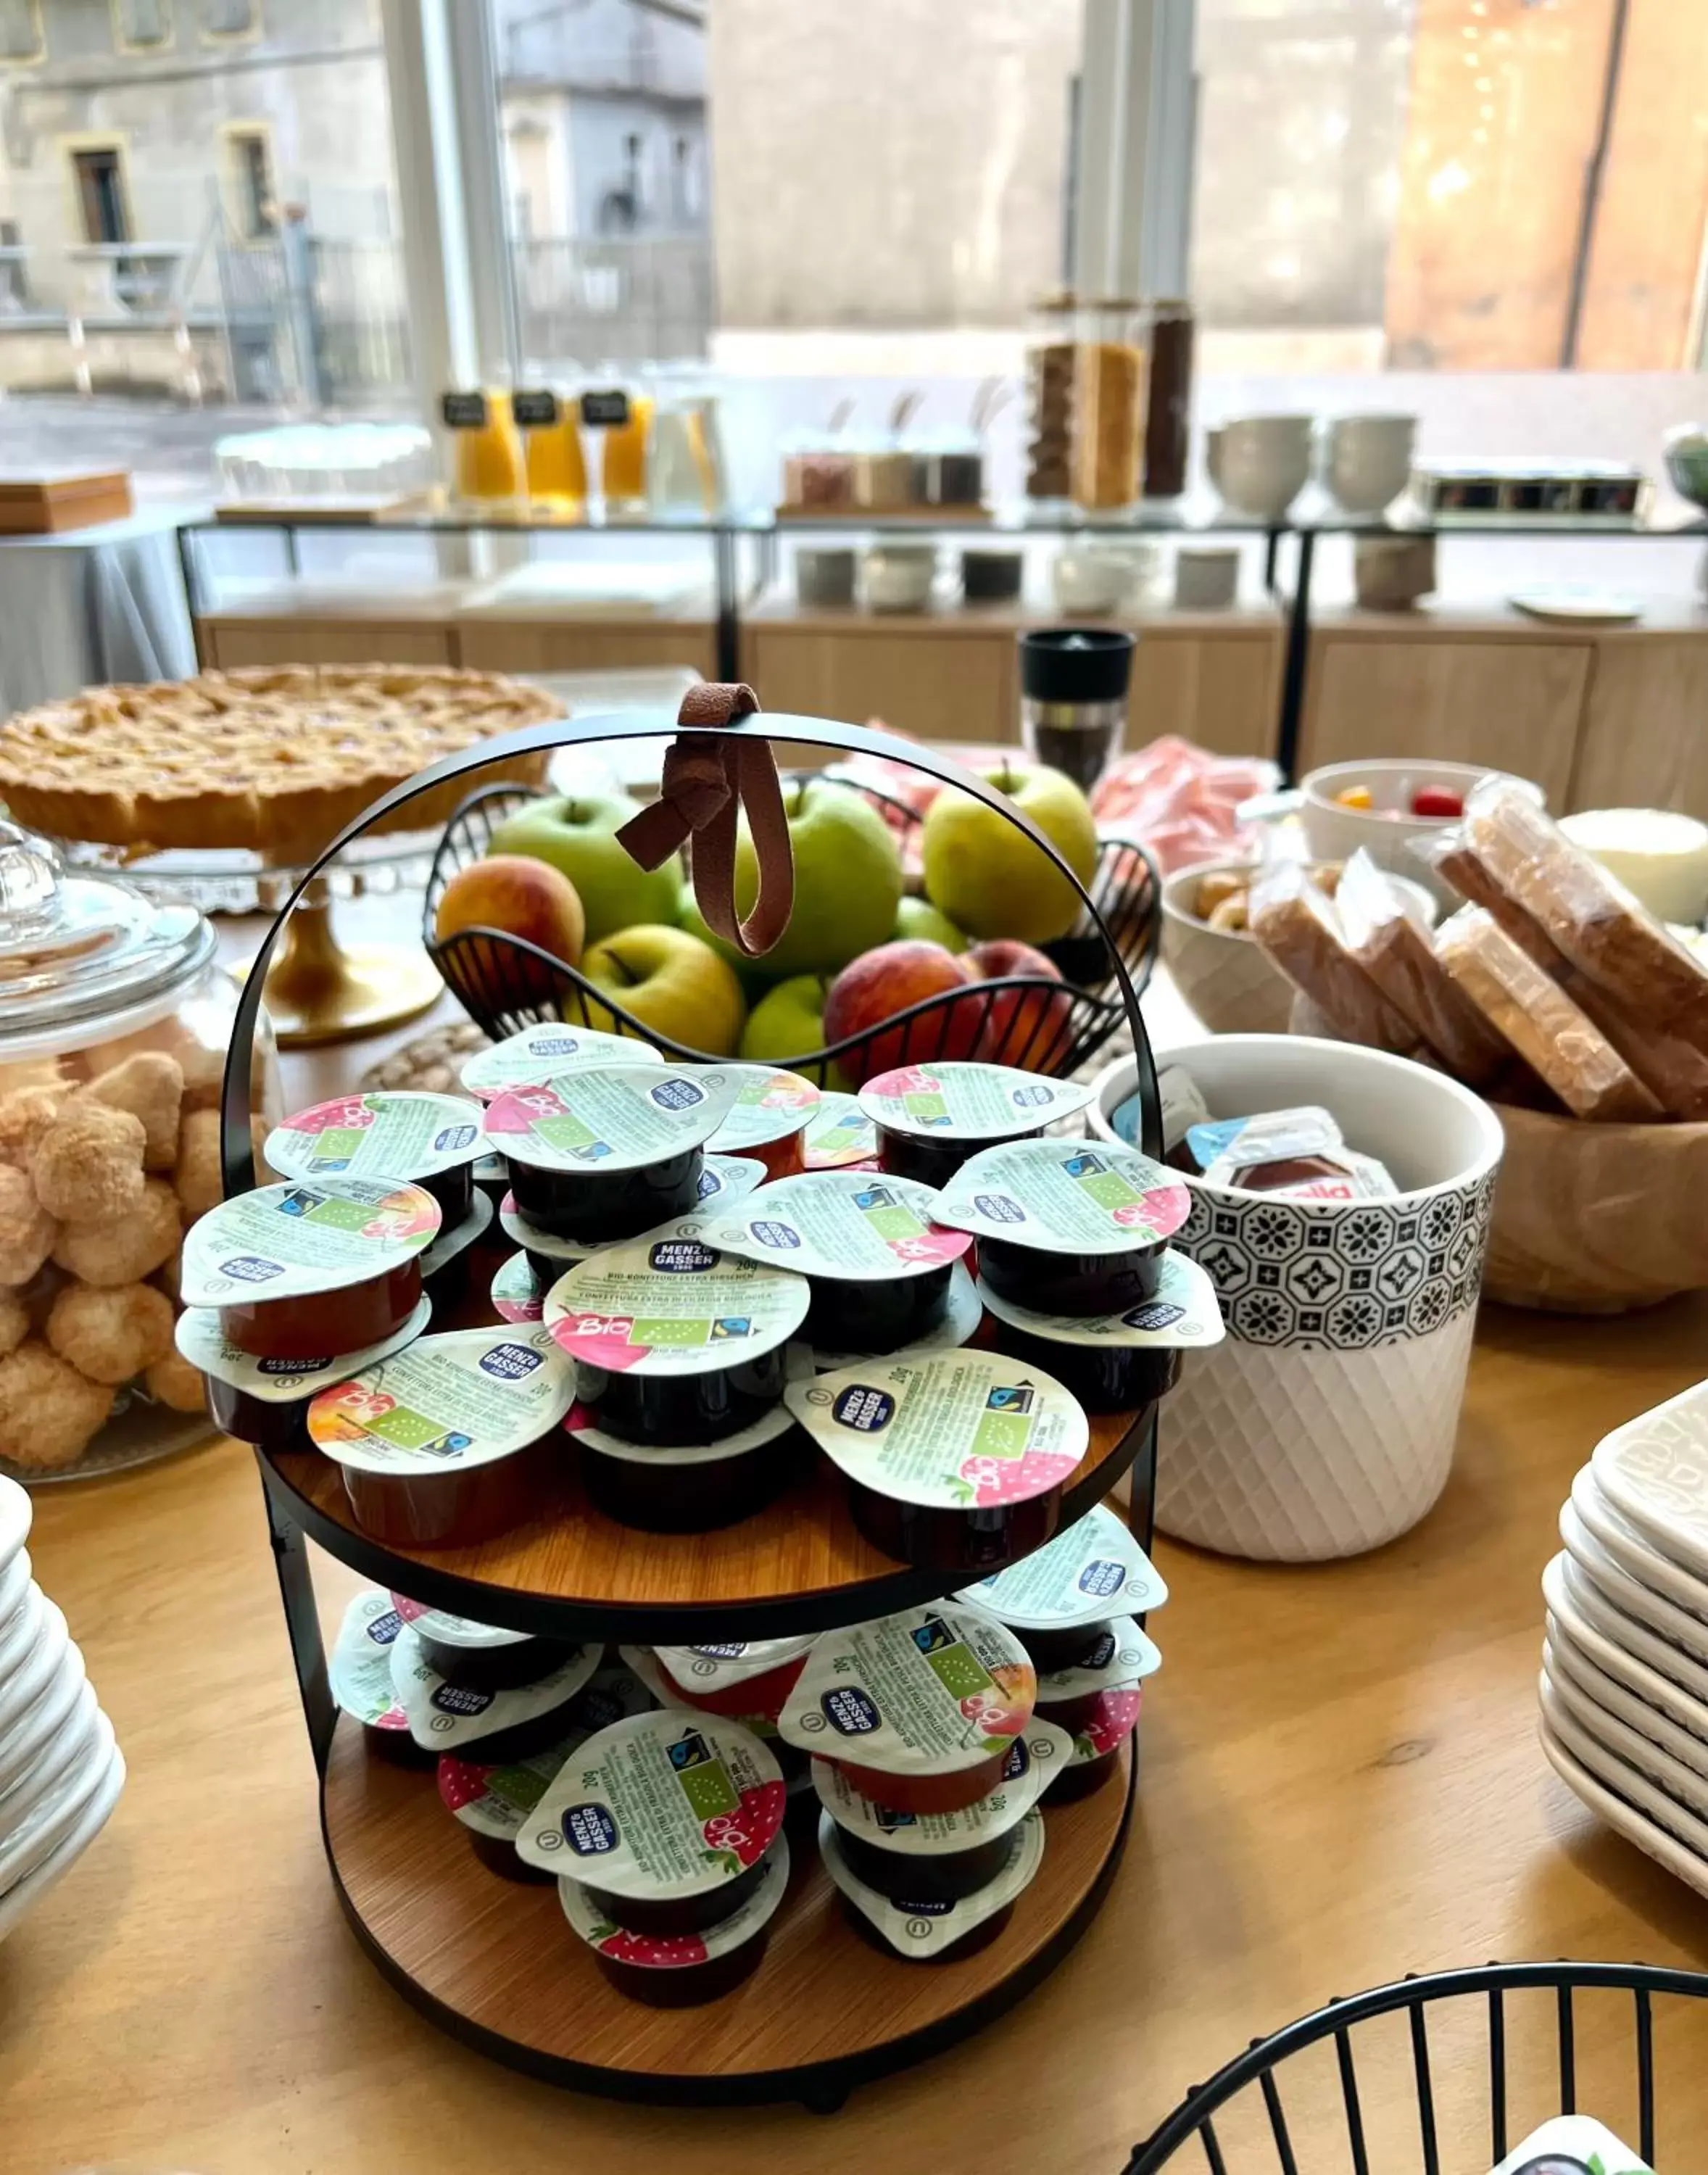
(1324, 1424)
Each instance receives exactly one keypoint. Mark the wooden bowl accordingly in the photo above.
(1596, 1219)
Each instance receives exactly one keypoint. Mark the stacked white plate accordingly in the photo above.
(60, 1773)
(1625, 1670)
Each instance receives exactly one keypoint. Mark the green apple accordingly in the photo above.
(789, 1021)
(756, 976)
(990, 879)
(577, 834)
(917, 920)
(848, 882)
(672, 984)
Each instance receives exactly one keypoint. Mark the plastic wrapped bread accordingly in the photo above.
(1553, 1037)
(1394, 951)
(1673, 1070)
(1295, 924)
(1605, 932)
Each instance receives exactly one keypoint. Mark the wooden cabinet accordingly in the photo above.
(1644, 741)
(954, 675)
(488, 644)
(1212, 678)
(1381, 684)
(293, 638)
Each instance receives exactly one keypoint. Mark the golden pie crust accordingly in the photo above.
(278, 758)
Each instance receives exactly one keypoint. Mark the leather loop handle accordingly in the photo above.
(705, 780)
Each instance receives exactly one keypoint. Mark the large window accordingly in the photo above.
(1463, 185)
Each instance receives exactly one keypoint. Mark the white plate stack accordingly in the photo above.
(1625, 1670)
(60, 1773)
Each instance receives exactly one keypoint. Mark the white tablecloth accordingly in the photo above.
(96, 604)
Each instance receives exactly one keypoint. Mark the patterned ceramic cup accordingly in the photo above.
(1324, 1424)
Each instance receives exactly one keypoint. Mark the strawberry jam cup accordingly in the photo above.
(359, 1672)
(664, 1822)
(603, 1154)
(930, 1119)
(917, 1712)
(688, 1489)
(682, 1970)
(433, 1140)
(955, 1460)
(928, 1930)
(303, 1270)
(446, 1442)
(492, 1727)
(877, 1266)
(1067, 1227)
(675, 1344)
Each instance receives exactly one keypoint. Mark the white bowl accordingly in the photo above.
(1334, 832)
(1224, 974)
(1324, 1424)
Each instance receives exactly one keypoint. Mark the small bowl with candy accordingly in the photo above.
(1383, 805)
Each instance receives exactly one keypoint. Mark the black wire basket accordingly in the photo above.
(506, 984)
(1447, 2073)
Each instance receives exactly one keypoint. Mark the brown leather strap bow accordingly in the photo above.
(709, 772)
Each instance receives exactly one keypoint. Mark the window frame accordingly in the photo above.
(121, 44)
(31, 59)
(233, 180)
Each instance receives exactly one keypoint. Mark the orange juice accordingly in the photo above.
(555, 468)
(489, 460)
(623, 473)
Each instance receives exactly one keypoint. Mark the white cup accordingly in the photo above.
(1260, 463)
(1365, 461)
(1207, 577)
(1324, 1424)
(898, 576)
(1087, 582)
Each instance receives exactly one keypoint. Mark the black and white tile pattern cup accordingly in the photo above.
(1324, 1424)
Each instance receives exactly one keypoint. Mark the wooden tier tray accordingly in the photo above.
(494, 1963)
(798, 1566)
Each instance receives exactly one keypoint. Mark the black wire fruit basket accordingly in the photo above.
(506, 984)
(1447, 2073)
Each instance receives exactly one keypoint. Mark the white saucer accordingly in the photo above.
(60, 1758)
(1654, 1470)
(15, 1584)
(1674, 1623)
(1619, 1775)
(1634, 1638)
(1565, 1621)
(53, 1817)
(15, 1514)
(1624, 1820)
(1573, 1668)
(34, 1673)
(21, 1747)
(93, 1817)
(1577, 604)
(1632, 1549)
(21, 1635)
(1686, 1788)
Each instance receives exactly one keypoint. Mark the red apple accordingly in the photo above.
(1021, 1025)
(886, 980)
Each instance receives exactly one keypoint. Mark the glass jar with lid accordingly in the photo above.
(1109, 405)
(115, 1017)
(1049, 387)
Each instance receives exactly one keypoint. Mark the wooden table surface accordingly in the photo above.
(1341, 1781)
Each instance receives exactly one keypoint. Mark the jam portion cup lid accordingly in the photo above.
(539, 1053)
(1183, 1314)
(927, 1691)
(446, 1403)
(678, 1951)
(1067, 1197)
(853, 1225)
(961, 1100)
(672, 1304)
(394, 1133)
(304, 1237)
(1091, 1569)
(611, 1118)
(926, 1929)
(959, 1430)
(1035, 1758)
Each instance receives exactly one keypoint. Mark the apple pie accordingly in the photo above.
(278, 758)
